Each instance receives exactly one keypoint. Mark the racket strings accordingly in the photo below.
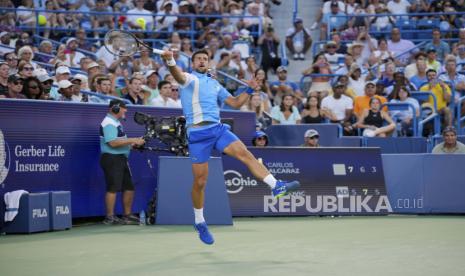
(121, 44)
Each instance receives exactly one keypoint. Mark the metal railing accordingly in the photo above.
(191, 33)
(403, 107)
(295, 10)
(434, 117)
(460, 119)
(434, 21)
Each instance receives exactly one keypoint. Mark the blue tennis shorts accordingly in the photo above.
(202, 140)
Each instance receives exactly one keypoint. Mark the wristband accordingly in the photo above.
(249, 90)
(171, 62)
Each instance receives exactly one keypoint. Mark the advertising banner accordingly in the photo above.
(333, 181)
(54, 146)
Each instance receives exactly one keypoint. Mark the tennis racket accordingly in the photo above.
(125, 44)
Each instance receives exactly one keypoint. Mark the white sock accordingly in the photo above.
(270, 180)
(198, 216)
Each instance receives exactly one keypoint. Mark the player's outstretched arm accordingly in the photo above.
(177, 73)
(238, 101)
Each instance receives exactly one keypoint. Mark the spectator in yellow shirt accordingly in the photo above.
(442, 93)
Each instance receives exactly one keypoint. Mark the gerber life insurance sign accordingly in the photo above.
(29, 161)
(334, 181)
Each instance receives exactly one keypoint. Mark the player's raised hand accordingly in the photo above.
(167, 55)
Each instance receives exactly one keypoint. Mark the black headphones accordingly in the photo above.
(116, 108)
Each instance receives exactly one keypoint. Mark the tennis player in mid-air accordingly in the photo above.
(200, 95)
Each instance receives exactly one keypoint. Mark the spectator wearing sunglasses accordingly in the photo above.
(260, 139)
(311, 138)
(32, 89)
(15, 86)
(12, 61)
(25, 69)
(334, 58)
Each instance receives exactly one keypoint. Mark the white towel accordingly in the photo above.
(12, 203)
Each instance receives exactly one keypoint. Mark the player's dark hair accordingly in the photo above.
(198, 52)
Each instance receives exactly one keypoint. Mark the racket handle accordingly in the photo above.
(158, 51)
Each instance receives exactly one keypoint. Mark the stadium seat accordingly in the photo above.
(293, 135)
(348, 141)
(399, 144)
(426, 25)
(407, 27)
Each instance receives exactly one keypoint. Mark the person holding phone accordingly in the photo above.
(442, 93)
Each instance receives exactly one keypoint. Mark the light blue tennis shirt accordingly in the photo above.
(201, 96)
(111, 129)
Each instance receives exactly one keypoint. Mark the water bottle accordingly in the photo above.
(142, 220)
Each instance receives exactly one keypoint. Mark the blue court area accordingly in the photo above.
(388, 245)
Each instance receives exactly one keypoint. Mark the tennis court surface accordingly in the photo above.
(391, 245)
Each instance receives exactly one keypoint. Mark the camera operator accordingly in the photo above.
(115, 147)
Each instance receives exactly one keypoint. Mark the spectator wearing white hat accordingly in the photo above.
(73, 57)
(150, 87)
(61, 73)
(47, 82)
(84, 84)
(311, 138)
(65, 88)
(77, 95)
(93, 69)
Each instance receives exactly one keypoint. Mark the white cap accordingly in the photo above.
(149, 73)
(70, 40)
(3, 33)
(183, 3)
(43, 77)
(311, 133)
(64, 84)
(92, 65)
(167, 2)
(80, 77)
(62, 70)
(39, 71)
(45, 42)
